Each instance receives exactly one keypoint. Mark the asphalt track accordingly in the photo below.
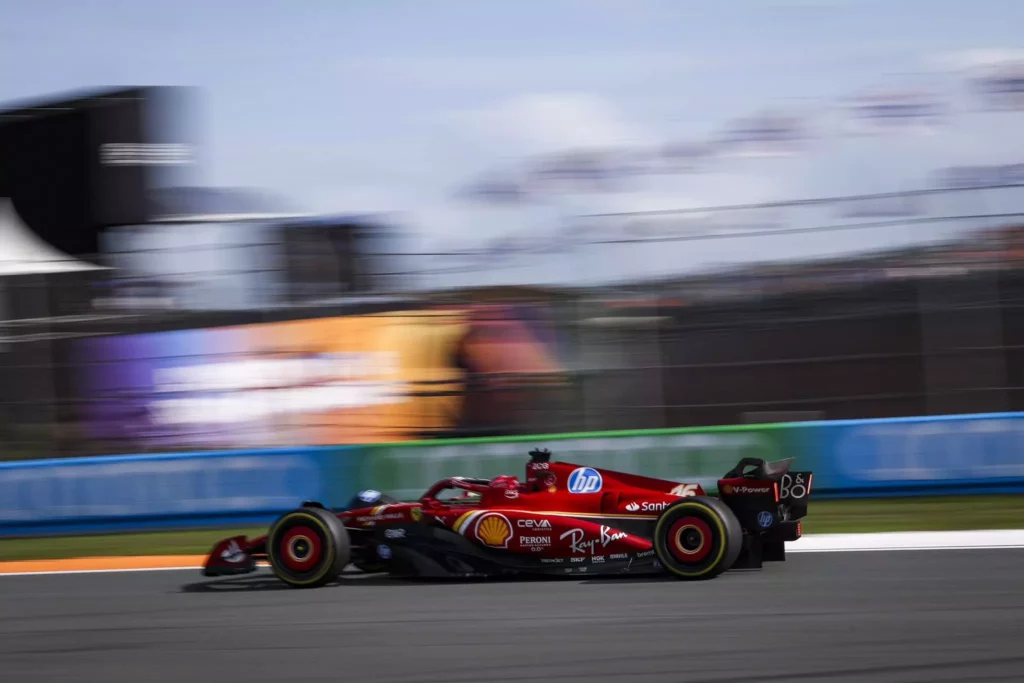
(837, 617)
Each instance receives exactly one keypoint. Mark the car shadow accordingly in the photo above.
(655, 578)
(235, 584)
(265, 581)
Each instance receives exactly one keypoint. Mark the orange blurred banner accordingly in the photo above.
(371, 378)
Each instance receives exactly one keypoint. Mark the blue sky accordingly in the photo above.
(393, 105)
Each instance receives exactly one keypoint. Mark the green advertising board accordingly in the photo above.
(691, 455)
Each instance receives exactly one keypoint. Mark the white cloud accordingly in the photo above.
(546, 123)
(977, 58)
(539, 124)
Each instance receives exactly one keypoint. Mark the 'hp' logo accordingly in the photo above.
(585, 480)
(765, 519)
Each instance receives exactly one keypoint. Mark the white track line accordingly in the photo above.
(813, 543)
(909, 540)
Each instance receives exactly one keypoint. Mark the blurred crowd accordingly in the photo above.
(907, 331)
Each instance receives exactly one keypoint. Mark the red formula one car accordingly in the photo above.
(565, 519)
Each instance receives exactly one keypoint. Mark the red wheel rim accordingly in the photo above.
(689, 540)
(300, 548)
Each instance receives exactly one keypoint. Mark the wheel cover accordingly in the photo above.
(300, 548)
(689, 540)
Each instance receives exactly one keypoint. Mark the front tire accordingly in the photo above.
(697, 538)
(308, 547)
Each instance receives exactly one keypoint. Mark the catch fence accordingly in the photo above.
(931, 325)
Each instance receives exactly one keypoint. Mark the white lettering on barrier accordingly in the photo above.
(245, 406)
(130, 488)
(936, 450)
(239, 391)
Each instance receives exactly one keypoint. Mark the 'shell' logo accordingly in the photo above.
(494, 530)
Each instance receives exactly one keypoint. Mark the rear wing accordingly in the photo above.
(762, 469)
(790, 489)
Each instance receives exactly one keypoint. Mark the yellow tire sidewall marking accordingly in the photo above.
(708, 511)
(329, 546)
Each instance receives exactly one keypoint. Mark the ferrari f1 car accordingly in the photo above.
(564, 519)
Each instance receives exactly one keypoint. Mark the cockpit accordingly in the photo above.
(457, 491)
(472, 491)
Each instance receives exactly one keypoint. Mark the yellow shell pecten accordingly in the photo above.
(494, 530)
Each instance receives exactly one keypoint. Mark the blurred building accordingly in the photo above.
(226, 249)
(196, 317)
(76, 164)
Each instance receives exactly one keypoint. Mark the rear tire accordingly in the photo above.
(308, 547)
(697, 538)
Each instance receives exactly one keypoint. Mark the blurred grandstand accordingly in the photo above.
(210, 318)
(909, 331)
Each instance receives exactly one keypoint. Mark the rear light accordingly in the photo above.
(799, 528)
(775, 486)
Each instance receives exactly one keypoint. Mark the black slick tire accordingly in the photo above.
(697, 538)
(308, 547)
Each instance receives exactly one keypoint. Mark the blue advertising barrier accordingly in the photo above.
(954, 454)
(179, 490)
(898, 457)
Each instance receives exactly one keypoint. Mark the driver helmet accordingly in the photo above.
(505, 481)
